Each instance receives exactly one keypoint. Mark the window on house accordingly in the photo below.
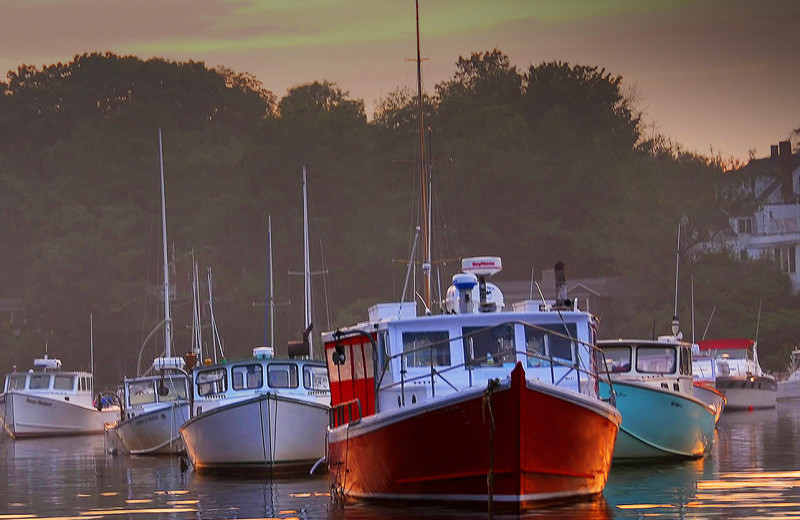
(745, 226)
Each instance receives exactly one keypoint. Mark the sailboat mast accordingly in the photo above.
(307, 266)
(271, 303)
(167, 318)
(423, 172)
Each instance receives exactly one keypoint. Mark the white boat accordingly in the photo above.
(476, 406)
(47, 401)
(789, 388)
(155, 406)
(263, 412)
(661, 415)
(733, 366)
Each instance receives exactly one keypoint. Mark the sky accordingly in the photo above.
(718, 77)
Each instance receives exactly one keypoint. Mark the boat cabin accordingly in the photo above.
(222, 383)
(665, 362)
(398, 359)
(727, 358)
(46, 377)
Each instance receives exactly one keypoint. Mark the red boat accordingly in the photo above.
(477, 405)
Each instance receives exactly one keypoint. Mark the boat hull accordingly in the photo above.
(659, 423)
(268, 431)
(747, 393)
(789, 389)
(29, 415)
(712, 397)
(547, 444)
(154, 432)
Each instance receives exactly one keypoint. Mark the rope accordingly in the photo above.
(487, 405)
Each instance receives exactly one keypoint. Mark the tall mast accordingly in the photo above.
(307, 267)
(271, 302)
(167, 318)
(423, 172)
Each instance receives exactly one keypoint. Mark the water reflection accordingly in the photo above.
(752, 472)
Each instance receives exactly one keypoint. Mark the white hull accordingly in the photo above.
(269, 431)
(156, 431)
(31, 415)
(746, 393)
(713, 398)
(789, 389)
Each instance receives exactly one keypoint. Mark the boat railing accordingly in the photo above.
(441, 372)
(343, 413)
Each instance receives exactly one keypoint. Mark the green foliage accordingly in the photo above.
(540, 166)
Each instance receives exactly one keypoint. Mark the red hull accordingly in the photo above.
(545, 447)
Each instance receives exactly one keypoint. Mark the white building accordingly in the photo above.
(771, 228)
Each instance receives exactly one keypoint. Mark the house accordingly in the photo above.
(770, 225)
(12, 313)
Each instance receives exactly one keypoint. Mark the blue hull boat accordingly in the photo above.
(660, 423)
(654, 392)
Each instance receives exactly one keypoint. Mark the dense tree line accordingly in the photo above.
(550, 163)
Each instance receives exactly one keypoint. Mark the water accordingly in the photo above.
(753, 472)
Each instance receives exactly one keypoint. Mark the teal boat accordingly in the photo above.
(661, 417)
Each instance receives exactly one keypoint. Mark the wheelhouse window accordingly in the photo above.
(282, 375)
(64, 383)
(424, 348)
(171, 388)
(655, 360)
(247, 377)
(489, 346)
(554, 341)
(16, 382)
(315, 378)
(618, 358)
(211, 382)
(141, 392)
(39, 381)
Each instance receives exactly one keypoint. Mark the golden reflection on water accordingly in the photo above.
(734, 491)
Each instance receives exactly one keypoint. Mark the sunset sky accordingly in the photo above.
(719, 77)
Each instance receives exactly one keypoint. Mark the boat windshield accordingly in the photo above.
(214, 381)
(422, 347)
(738, 353)
(316, 378)
(541, 344)
(489, 347)
(15, 382)
(171, 388)
(618, 358)
(655, 360)
(39, 382)
(141, 392)
(64, 382)
(247, 377)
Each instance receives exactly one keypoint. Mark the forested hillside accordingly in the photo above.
(539, 165)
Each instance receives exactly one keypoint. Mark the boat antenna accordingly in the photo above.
(216, 341)
(307, 267)
(410, 264)
(709, 321)
(424, 180)
(676, 327)
(91, 343)
(270, 304)
(692, 278)
(167, 318)
(758, 321)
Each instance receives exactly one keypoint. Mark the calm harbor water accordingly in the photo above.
(753, 472)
